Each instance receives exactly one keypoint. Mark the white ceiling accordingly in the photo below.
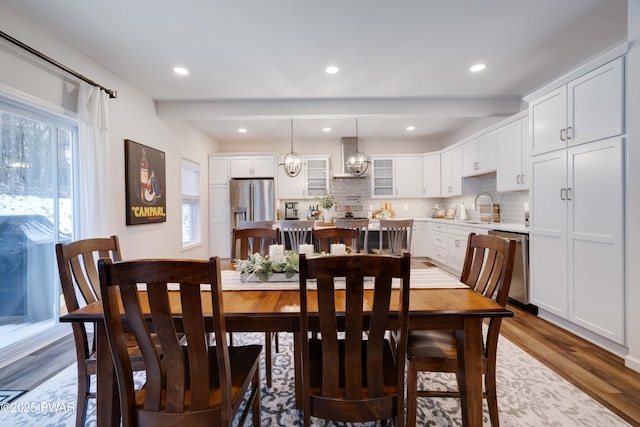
(257, 64)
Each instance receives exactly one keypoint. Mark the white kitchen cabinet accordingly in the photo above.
(219, 170)
(407, 168)
(263, 166)
(513, 156)
(479, 155)
(382, 184)
(576, 236)
(451, 172)
(394, 176)
(586, 109)
(317, 176)
(448, 245)
(438, 243)
(457, 237)
(312, 181)
(291, 187)
(219, 231)
(420, 239)
(431, 175)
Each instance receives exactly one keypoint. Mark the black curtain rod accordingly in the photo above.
(112, 93)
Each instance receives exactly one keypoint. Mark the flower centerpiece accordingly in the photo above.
(326, 202)
(280, 267)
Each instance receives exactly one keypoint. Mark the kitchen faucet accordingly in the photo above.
(475, 203)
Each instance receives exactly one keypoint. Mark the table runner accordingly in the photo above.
(428, 278)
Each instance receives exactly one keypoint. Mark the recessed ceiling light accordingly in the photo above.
(326, 129)
(242, 130)
(477, 67)
(332, 69)
(410, 128)
(181, 71)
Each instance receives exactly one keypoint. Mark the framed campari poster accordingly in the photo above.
(145, 178)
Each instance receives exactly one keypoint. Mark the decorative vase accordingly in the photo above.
(326, 215)
(275, 277)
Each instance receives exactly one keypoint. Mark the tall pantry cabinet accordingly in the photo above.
(577, 200)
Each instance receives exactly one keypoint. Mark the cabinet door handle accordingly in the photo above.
(569, 191)
(563, 192)
(569, 133)
(562, 134)
(517, 179)
(522, 179)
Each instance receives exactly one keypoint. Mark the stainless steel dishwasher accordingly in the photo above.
(519, 291)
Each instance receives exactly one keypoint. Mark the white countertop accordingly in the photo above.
(502, 226)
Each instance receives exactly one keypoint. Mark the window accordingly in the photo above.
(36, 211)
(190, 203)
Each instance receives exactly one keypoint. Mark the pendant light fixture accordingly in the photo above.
(292, 163)
(358, 163)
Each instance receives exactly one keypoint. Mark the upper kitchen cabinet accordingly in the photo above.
(317, 177)
(394, 176)
(431, 175)
(513, 156)
(451, 172)
(262, 166)
(219, 170)
(312, 181)
(588, 108)
(479, 155)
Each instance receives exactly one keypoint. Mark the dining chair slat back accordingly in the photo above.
(347, 377)
(255, 224)
(395, 236)
(360, 224)
(247, 241)
(323, 239)
(77, 267)
(187, 381)
(294, 233)
(487, 269)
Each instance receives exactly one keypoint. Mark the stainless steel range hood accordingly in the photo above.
(349, 146)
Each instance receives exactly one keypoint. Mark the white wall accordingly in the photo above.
(633, 187)
(132, 117)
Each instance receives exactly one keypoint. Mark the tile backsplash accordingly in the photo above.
(355, 194)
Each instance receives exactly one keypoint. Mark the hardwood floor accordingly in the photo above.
(598, 373)
(593, 370)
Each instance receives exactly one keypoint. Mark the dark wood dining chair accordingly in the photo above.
(295, 232)
(360, 224)
(77, 267)
(487, 270)
(250, 241)
(395, 236)
(188, 382)
(347, 377)
(255, 224)
(323, 238)
(247, 241)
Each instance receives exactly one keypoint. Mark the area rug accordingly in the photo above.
(7, 396)
(529, 394)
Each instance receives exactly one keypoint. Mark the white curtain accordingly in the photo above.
(95, 198)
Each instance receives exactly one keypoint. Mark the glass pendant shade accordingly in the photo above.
(292, 163)
(358, 163)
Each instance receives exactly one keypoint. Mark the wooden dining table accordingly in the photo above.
(277, 310)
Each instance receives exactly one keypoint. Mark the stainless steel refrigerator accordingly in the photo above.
(251, 200)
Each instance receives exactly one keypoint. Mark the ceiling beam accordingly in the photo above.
(326, 108)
